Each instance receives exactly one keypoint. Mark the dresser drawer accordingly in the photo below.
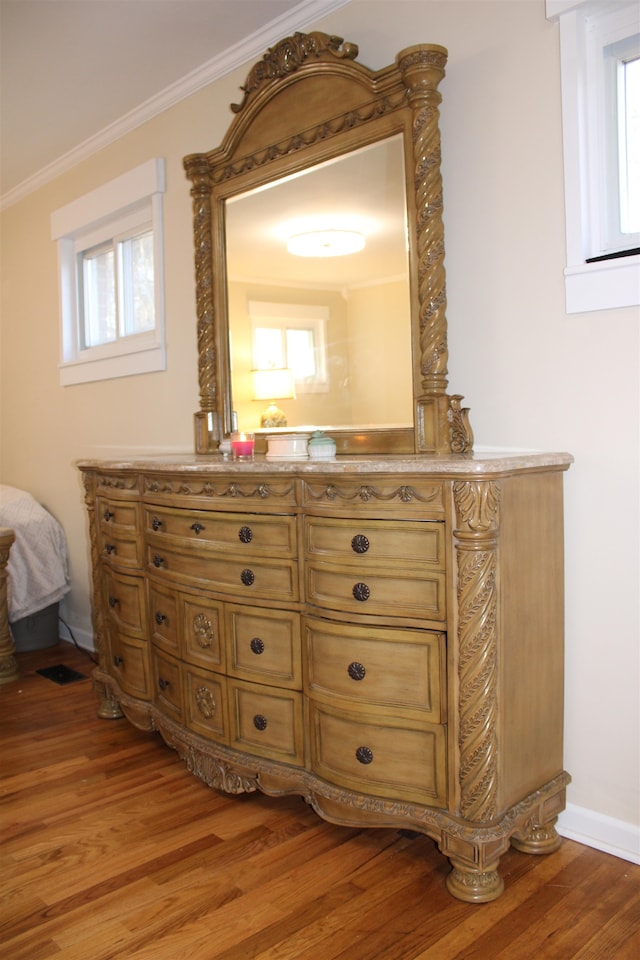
(119, 536)
(164, 618)
(266, 722)
(205, 703)
(388, 592)
(125, 602)
(250, 578)
(128, 663)
(202, 632)
(375, 541)
(386, 759)
(245, 534)
(393, 670)
(167, 687)
(264, 645)
(118, 515)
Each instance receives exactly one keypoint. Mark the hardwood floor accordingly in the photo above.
(112, 851)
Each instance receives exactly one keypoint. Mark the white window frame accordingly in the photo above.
(584, 31)
(135, 196)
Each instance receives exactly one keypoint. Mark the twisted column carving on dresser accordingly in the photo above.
(477, 513)
(8, 662)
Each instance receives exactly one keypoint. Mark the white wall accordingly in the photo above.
(533, 376)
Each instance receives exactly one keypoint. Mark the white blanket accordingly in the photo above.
(37, 569)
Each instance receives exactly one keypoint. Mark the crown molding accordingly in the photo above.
(248, 49)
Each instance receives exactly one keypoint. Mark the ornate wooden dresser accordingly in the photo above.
(383, 636)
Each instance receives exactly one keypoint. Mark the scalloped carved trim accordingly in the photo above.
(208, 489)
(323, 131)
(289, 55)
(365, 493)
(116, 483)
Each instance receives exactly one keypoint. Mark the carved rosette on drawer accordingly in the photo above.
(206, 710)
(202, 631)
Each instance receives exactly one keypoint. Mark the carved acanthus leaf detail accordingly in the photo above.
(477, 503)
(289, 55)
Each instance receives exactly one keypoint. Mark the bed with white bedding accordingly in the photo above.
(38, 575)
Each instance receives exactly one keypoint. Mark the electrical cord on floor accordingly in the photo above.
(76, 644)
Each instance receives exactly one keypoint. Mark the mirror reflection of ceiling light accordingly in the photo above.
(325, 243)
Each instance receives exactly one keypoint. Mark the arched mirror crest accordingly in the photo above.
(319, 139)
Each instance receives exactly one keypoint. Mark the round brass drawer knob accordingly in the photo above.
(260, 722)
(156, 523)
(257, 645)
(248, 577)
(160, 618)
(245, 534)
(360, 543)
(356, 671)
(364, 755)
(361, 592)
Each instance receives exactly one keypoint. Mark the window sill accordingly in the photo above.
(149, 360)
(603, 286)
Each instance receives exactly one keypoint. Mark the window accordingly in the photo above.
(111, 290)
(600, 62)
(292, 336)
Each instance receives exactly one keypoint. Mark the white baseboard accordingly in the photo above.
(601, 832)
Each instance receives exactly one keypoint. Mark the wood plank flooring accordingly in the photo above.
(112, 851)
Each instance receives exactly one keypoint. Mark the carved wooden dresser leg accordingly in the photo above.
(108, 706)
(474, 885)
(537, 838)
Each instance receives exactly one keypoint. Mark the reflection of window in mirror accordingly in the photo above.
(291, 336)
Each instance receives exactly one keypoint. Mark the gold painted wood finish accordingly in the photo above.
(434, 706)
(110, 852)
(305, 102)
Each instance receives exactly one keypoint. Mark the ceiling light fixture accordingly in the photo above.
(325, 243)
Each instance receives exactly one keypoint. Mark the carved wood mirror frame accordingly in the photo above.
(305, 102)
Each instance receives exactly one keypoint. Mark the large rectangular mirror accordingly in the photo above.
(318, 286)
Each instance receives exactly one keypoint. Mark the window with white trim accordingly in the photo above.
(600, 64)
(111, 278)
